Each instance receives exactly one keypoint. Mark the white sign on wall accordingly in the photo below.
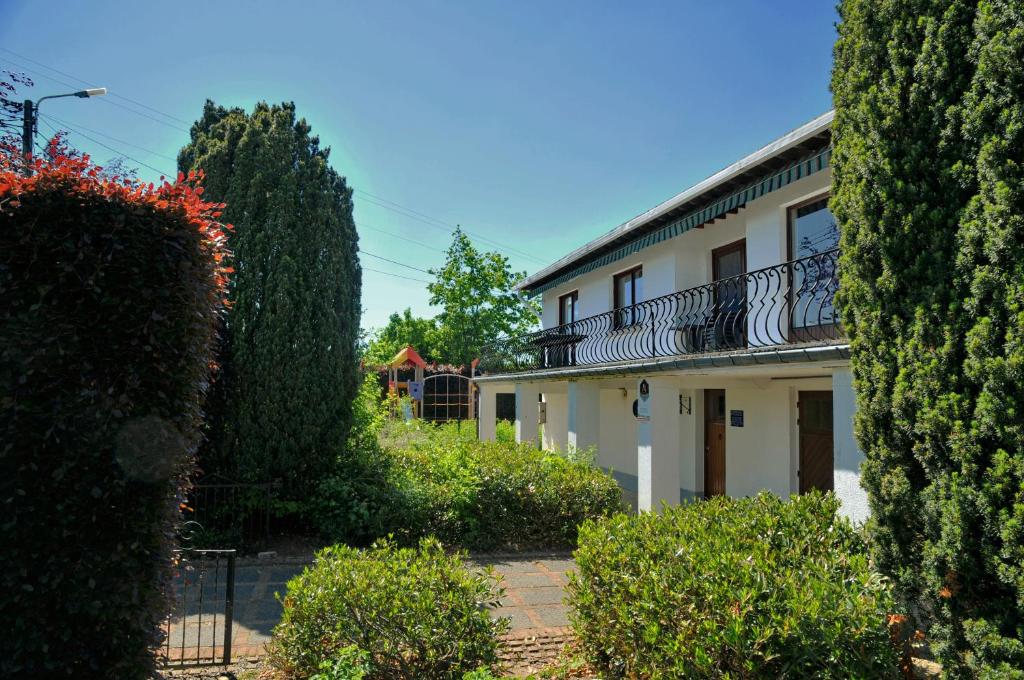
(643, 404)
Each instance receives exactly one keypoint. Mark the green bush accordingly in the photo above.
(387, 612)
(427, 480)
(750, 588)
(109, 299)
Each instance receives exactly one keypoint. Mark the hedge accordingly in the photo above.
(750, 588)
(388, 612)
(109, 296)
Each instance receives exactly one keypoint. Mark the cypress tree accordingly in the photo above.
(929, 194)
(289, 349)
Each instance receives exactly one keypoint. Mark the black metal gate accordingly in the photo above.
(230, 512)
(199, 627)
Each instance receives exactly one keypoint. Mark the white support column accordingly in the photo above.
(487, 418)
(584, 414)
(526, 412)
(847, 457)
(658, 447)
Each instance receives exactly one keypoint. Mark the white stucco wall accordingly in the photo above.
(556, 428)
(758, 454)
(616, 449)
(685, 261)
(847, 457)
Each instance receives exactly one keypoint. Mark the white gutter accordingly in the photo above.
(780, 145)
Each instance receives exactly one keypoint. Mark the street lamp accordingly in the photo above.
(32, 116)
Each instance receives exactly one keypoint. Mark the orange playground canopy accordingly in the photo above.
(408, 355)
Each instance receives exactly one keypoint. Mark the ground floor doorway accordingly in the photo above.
(814, 421)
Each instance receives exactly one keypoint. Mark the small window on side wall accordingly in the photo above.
(567, 307)
(628, 288)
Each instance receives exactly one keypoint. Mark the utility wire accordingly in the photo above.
(397, 276)
(364, 225)
(400, 264)
(380, 201)
(102, 99)
(89, 84)
(437, 223)
(110, 137)
(110, 148)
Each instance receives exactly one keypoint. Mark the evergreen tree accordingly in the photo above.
(289, 350)
(929, 194)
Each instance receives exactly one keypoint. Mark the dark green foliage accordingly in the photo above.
(440, 481)
(109, 296)
(410, 612)
(752, 588)
(929, 194)
(290, 357)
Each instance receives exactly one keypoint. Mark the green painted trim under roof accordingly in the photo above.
(810, 165)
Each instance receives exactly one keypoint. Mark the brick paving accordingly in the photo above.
(533, 601)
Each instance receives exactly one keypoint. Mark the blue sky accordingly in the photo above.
(535, 125)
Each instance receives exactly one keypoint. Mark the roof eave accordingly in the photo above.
(765, 153)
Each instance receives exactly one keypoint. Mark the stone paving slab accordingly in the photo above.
(534, 591)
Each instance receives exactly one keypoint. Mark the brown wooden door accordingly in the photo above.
(816, 464)
(728, 327)
(714, 443)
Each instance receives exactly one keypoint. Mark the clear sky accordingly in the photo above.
(535, 125)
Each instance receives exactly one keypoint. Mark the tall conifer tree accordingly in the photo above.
(289, 352)
(929, 195)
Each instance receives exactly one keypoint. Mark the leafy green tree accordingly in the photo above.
(401, 330)
(474, 291)
(929, 194)
(289, 347)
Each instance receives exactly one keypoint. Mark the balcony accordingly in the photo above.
(782, 305)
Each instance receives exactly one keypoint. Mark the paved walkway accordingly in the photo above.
(533, 601)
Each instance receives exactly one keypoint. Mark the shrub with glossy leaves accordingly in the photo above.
(750, 588)
(109, 296)
(427, 480)
(388, 612)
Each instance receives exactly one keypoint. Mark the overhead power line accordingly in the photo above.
(110, 148)
(374, 199)
(400, 264)
(110, 137)
(72, 86)
(397, 276)
(437, 223)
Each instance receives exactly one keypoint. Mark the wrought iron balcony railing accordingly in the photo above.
(784, 304)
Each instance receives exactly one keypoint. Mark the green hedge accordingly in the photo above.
(426, 480)
(751, 588)
(109, 296)
(387, 612)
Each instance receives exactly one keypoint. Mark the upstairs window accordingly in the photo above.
(812, 231)
(567, 306)
(628, 291)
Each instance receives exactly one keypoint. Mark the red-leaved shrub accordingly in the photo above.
(110, 291)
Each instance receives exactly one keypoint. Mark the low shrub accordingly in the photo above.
(110, 294)
(751, 588)
(426, 480)
(387, 612)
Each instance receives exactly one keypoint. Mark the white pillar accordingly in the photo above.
(526, 412)
(657, 446)
(846, 456)
(487, 418)
(584, 413)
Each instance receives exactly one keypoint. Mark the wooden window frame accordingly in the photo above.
(716, 253)
(625, 320)
(791, 215)
(800, 333)
(575, 295)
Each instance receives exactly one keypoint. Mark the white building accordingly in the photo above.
(716, 303)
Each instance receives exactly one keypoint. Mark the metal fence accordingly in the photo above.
(230, 512)
(447, 397)
(783, 304)
(199, 627)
